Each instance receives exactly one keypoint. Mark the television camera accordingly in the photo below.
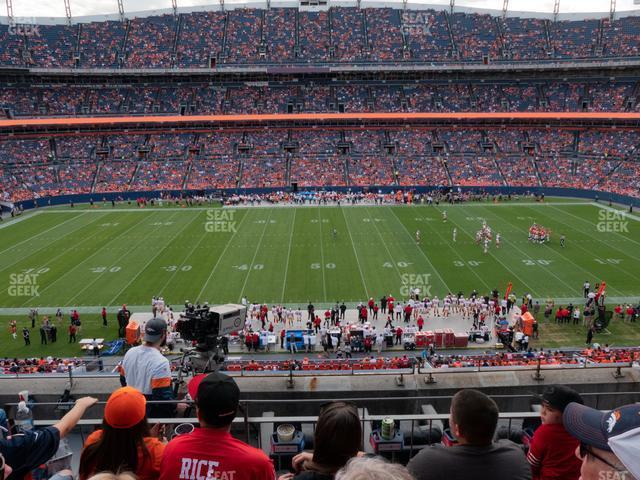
(206, 327)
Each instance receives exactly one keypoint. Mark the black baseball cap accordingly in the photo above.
(154, 329)
(216, 395)
(559, 396)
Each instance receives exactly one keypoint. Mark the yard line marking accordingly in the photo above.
(549, 268)
(90, 256)
(458, 254)
(115, 262)
(221, 257)
(188, 224)
(621, 212)
(286, 268)
(591, 253)
(285, 205)
(364, 284)
(531, 290)
(19, 218)
(395, 265)
(75, 217)
(324, 281)
(246, 279)
(421, 251)
(64, 251)
(593, 225)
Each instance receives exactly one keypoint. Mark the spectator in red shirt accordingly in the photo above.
(72, 333)
(552, 450)
(210, 451)
(618, 312)
(420, 323)
(398, 336)
(407, 313)
(630, 314)
(282, 334)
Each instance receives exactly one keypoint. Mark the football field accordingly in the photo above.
(103, 256)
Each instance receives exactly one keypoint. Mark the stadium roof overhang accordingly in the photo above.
(107, 124)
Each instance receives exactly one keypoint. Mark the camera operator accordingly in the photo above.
(147, 370)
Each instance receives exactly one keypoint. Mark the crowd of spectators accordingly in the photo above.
(101, 44)
(279, 35)
(474, 170)
(201, 35)
(150, 42)
(476, 36)
(198, 98)
(505, 359)
(605, 160)
(575, 39)
(243, 35)
(518, 171)
(12, 366)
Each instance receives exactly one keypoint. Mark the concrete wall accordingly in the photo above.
(267, 393)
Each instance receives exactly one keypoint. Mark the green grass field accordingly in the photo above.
(93, 257)
(105, 257)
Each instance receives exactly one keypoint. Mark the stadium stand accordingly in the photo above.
(340, 34)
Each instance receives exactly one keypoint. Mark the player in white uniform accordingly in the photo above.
(497, 240)
(444, 215)
(455, 234)
(417, 236)
(485, 249)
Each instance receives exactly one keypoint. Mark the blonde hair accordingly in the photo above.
(114, 476)
(374, 468)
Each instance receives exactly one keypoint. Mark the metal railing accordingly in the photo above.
(416, 368)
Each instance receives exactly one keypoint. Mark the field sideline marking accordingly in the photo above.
(395, 265)
(42, 233)
(364, 284)
(549, 268)
(220, 258)
(255, 255)
(188, 224)
(531, 290)
(183, 263)
(294, 205)
(286, 268)
(593, 225)
(96, 309)
(576, 244)
(437, 272)
(18, 219)
(324, 279)
(471, 269)
(620, 212)
(114, 262)
(64, 251)
(69, 270)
